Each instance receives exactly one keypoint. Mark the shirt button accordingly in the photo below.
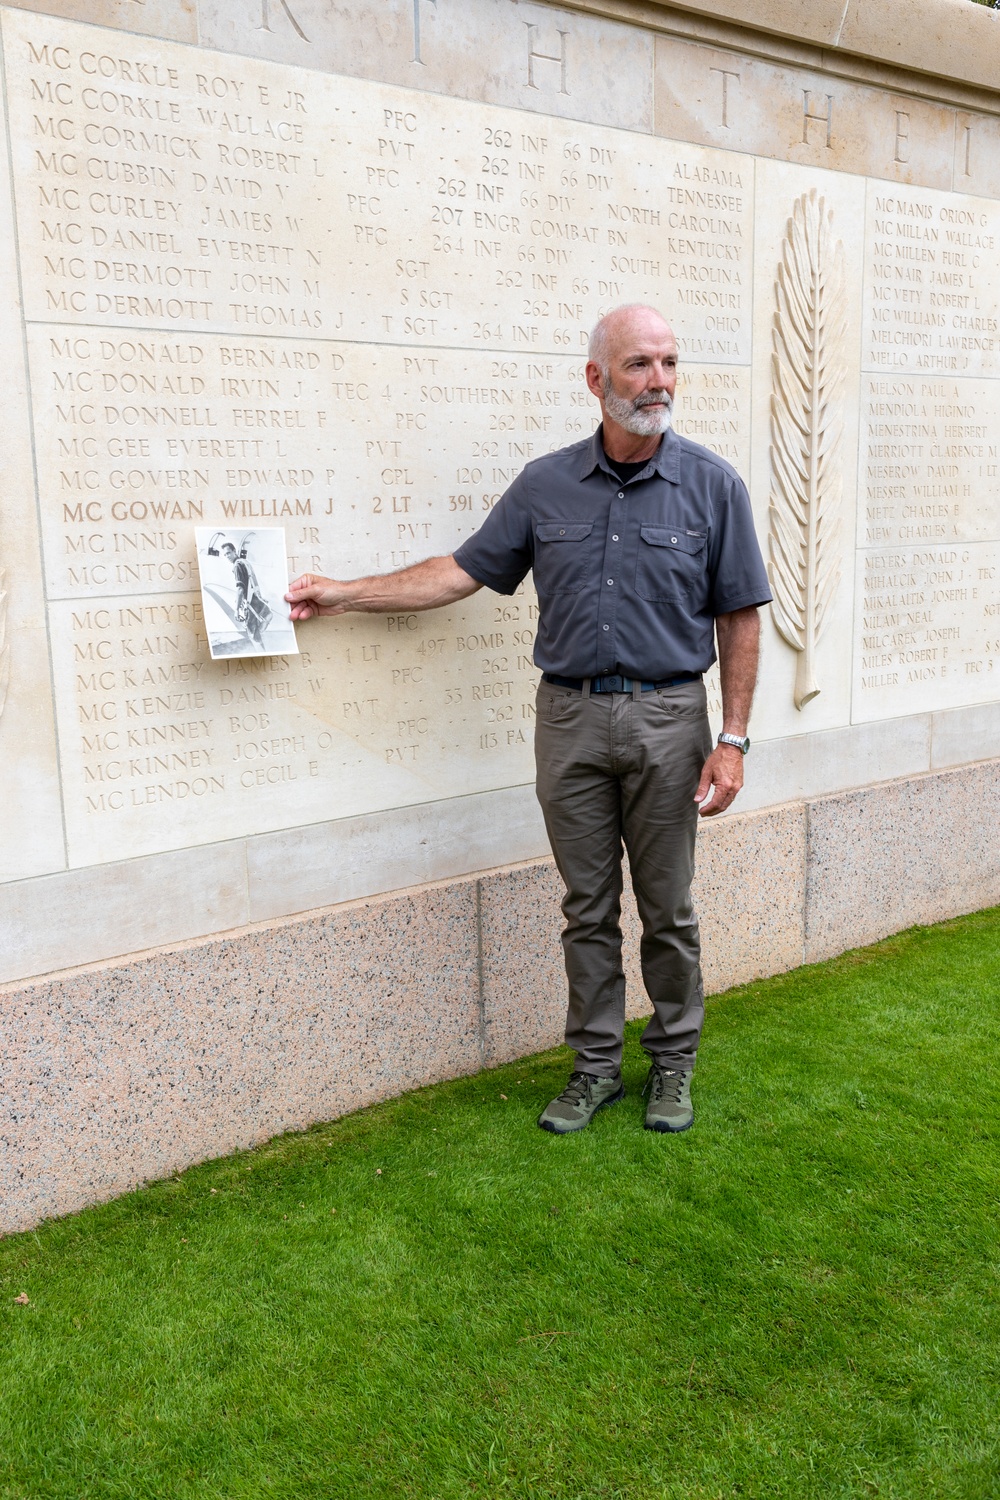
(605, 627)
(674, 540)
(621, 494)
(562, 533)
(614, 539)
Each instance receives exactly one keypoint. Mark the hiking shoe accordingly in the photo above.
(579, 1102)
(669, 1107)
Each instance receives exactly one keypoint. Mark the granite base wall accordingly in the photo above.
(119, 1073)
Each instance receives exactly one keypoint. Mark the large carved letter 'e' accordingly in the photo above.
(806, 426)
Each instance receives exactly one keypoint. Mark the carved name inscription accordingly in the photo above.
(261, 199)
(929, 477)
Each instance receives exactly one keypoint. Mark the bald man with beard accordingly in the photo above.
(644, 555)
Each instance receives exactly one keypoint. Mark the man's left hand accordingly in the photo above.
(723, 772)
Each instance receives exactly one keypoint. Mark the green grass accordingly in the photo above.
(797, 1298)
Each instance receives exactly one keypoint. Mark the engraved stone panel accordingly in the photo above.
(928, 596)
(276, 202)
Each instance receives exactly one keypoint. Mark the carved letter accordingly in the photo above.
(265, 18)
(534, 56)
(416, 30)
(807, 378)
(726, 75)
(968, 150)
(808, 115)
(902, 152)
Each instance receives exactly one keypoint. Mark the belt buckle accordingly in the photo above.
(615, 684)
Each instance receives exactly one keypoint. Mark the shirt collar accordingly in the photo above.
(666, 461)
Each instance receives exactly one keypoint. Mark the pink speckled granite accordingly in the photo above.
(123, 1074)
(900, 853)
(749, 892)
(524, 983)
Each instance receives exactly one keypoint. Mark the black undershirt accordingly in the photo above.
(626, 472)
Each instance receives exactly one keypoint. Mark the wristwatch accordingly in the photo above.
(733, 739)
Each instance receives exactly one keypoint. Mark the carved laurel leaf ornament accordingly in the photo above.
(807, 367)
(4, 645)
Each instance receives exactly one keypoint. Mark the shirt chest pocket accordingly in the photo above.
(670, 563)
(561, 556)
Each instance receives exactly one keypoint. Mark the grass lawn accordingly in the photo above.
(433, 1298)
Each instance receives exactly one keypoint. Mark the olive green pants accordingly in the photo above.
(614, 769)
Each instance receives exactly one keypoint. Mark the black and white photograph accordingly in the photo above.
(244, 575)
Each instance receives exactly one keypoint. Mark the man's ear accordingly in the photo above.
(595, 380)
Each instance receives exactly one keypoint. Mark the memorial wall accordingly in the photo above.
(334, 271)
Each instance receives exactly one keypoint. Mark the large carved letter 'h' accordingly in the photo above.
(534, 56)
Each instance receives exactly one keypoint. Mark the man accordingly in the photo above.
(643, 548)
(252, 610)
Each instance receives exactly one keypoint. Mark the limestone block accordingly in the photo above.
(84, 916)
(887, 857)
(965, 734)
(940, 37)
(531, 56)
(301, 868)
(810, 765)
(818, 23)
(801, 114)
(176, 19)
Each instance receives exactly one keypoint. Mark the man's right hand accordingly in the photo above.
(311, 594)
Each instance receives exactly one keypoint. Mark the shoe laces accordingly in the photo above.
(664, 1083)
(578, 1088)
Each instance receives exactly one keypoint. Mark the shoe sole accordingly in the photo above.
(553, 1129)
(662, 1128)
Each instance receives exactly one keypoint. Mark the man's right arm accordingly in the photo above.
(426, 585)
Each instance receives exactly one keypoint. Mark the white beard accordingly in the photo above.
(630, 414)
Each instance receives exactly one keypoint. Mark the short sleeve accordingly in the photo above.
(500, 553)
(736, 567)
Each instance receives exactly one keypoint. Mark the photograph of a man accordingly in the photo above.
(644, 556)
(243, 579)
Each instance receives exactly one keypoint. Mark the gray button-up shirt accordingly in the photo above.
(629, 576)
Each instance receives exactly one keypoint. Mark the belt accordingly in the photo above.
(618, 684)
